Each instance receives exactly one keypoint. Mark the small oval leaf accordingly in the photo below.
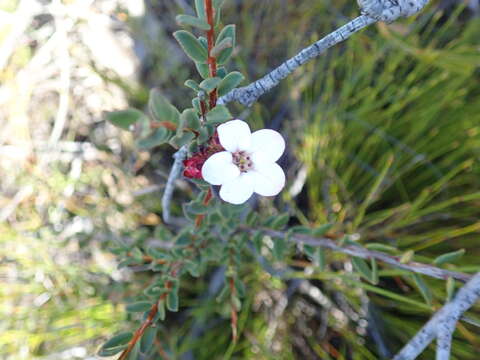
(230, 82)
(139, 306)
(227, 32)
(124, 119)
(188, 20)
(191, 45)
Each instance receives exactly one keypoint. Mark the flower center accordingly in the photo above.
(242, 160)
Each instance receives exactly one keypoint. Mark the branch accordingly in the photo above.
(361, 252)
(442, 325)
(372, 11)
(249, 94)
(170, 185)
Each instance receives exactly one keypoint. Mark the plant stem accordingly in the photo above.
(361, 252)
(206, 200)
(212, 61)
(151, 315)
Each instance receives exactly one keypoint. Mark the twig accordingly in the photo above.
(372, 11)
(212, 61)
(249, 94)
(170, 185)
(442, 325)
(361, 252)
(151, 315)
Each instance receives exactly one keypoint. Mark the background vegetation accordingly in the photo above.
(383, 141)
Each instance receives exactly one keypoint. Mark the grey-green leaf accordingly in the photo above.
(148, 339)
(227, 32)
(124, 119)
(115, 344)
(222, 45)
(218, 115)
(210, 84)
(203, 70)
(449, 257)
(200, 8)
(158, 137)
(161, 109)
(188, 20)
(230, 82)
(191, 45)
(191, 119)
(139, 306)
(181, 139)
(192, 85)
(172, 301)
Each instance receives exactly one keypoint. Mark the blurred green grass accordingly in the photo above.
(386, 127)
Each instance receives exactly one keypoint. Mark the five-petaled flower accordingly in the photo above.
(248, 163)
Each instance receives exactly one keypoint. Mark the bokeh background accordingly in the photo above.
(383, 140)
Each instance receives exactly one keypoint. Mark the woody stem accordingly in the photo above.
(212, 61)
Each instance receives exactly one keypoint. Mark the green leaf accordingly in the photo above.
(280, 221)
(203, 70)
(196, 105)
(217, 4)
(424, 289)
(139, 306)
(363, 269)
(227, 32)
(124, 119)
(322, 230)
(188, 20)
(147, 339)
(135, 352)
(158, 137)
(182, 139)
(279, 248)
(161, 310)
(115, 344)
(200, 8)
(172, 301)
(137, 254)
(221, 72)
(218, 115)
(161, 109)
(196, 208)
(191, 45)
(190, 119)
(210, 84)
(222, 45)
(449, 257)
(192, 85)
(230, 82)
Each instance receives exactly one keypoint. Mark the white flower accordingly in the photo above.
(249, 163)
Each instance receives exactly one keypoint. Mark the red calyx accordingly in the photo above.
(193, 165)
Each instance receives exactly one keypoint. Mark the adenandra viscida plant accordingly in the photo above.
(214, 149)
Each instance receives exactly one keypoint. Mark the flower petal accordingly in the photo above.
(238, 190)
(219, 168)
(234, 135)
(269, 179)
(267, 146)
